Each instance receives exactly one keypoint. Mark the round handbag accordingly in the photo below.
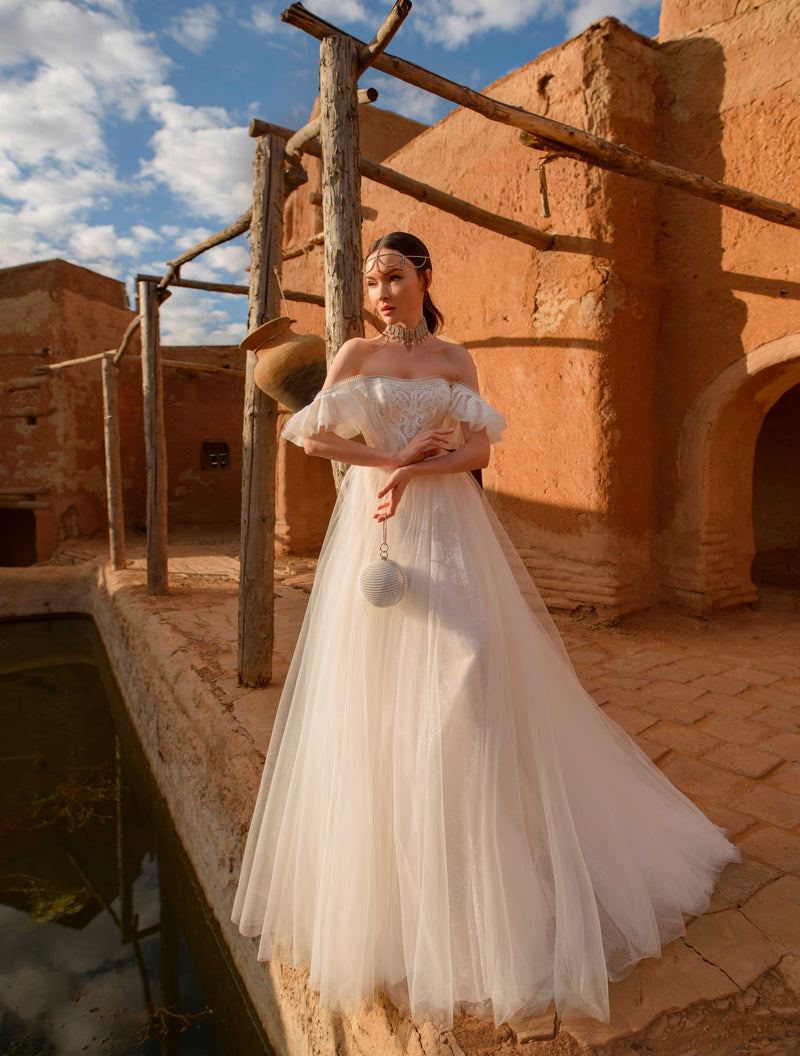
(383, 582)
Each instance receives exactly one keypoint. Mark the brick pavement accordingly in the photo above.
(716, 705)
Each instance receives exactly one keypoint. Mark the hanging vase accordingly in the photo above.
(291, 367)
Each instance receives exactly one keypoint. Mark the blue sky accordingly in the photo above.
(123, 123)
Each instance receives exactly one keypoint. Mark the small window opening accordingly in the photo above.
(216, 455)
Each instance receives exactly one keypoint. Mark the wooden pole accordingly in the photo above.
(294, 146)
(116, 520)
(238, 227)
(423, 192)
(341, 198)
(257, 553)
(155, 441)
(194, 284)
(553, 135)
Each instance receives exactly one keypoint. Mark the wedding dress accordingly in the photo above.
(445, 814)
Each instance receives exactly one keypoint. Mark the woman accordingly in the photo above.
(445, 814)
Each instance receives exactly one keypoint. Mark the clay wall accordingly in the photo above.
(563, 341)
(729, 340)
(52, 435)
(637, 362)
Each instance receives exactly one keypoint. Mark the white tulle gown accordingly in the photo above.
(445, 814)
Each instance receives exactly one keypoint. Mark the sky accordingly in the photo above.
(123, 123)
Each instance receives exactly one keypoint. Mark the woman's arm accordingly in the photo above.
(328, 444)
(473, 454)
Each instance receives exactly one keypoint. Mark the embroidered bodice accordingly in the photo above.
(390, 411)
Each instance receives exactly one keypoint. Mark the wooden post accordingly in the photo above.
(116, 520)
(155, 441)
(257, 552)
(341, 197)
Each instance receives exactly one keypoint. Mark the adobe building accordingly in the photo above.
(648, 366)
(52, 468)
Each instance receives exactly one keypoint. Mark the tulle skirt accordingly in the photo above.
(445, 814)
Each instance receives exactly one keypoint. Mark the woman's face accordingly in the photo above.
(395, 288)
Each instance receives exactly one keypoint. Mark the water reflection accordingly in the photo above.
(97, 900)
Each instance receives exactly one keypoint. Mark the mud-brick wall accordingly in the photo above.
(729, 344)
(52, 435)
(563, 341)
(199, 408)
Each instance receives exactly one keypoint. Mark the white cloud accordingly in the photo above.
(587, 11)
(343, 10)
(196, 27)
(407, 100)
(264, 19)
(72, 68)
(454, 22)
(202, 159)
(190, 318)
(100, 247)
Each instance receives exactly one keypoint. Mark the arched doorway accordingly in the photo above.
(776, 494)
(709, 547)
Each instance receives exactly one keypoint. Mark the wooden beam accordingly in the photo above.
(21, 491)
(423, 192)
(155, 441)
(130, 330)
(111, 436)
(316, 240)
(202, 368)
(341, 199)
(553, 135)
(238, 227)
(383, 38)
(53, 368)
(194, 284)
(259, 453)
(294, 146)
(367, 212)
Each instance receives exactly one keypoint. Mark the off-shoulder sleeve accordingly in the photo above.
(338, 407)
(468, 407)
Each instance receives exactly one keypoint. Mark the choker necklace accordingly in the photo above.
(409, 338)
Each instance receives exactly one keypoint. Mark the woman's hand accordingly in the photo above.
(393, 488)
(424, 445)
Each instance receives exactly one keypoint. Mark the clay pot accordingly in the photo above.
(291, 367)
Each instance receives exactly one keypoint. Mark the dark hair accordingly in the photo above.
(416, 252)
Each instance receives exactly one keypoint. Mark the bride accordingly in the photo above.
(445, 815)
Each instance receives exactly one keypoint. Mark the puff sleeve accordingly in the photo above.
(468, 407)
(339, 407)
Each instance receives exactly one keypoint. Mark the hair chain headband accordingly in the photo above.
(389, 259)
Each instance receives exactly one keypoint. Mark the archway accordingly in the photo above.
(776, 494)
(709, 547)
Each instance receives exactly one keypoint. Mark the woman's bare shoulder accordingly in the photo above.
(348, 360)
(461, 363)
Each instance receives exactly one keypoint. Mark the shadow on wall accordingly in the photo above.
(710, 410)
